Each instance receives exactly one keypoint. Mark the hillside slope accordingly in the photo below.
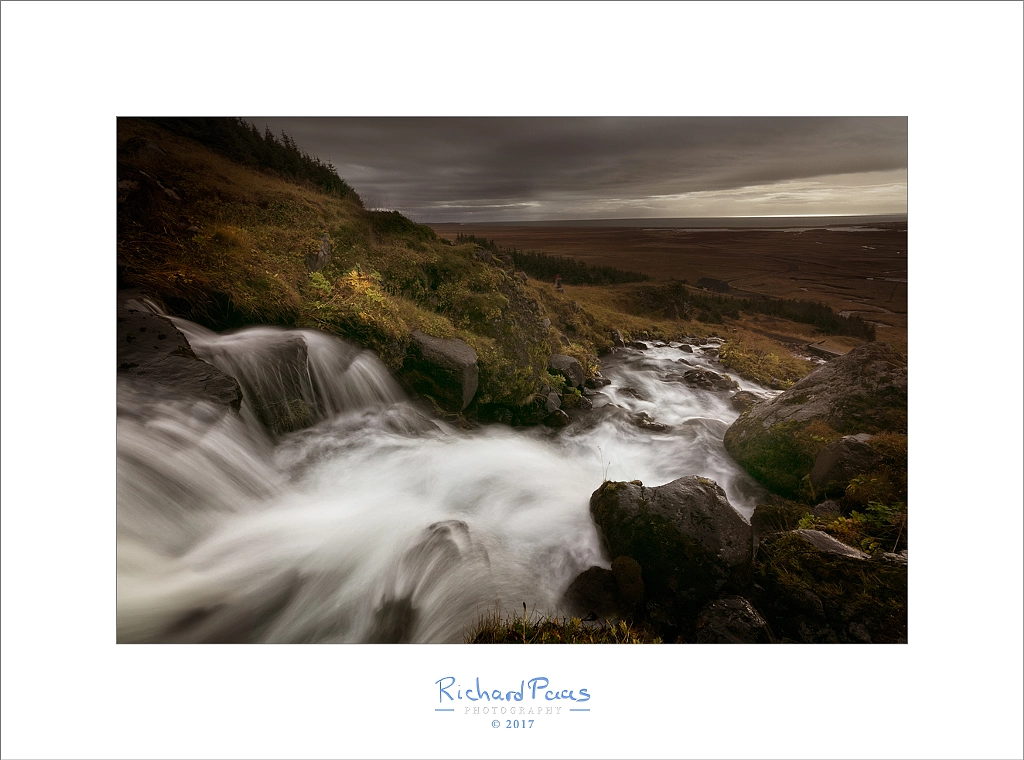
(225, 243)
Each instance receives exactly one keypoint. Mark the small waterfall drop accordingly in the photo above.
(333, 509)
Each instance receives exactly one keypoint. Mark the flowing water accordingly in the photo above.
(380, 522)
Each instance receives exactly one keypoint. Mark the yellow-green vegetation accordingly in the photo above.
(879, 528)
(227, 245)
(814, 596)
(762, 360)
(497, 629)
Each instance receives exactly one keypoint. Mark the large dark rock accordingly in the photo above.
(731, 620)
(841, 461)
(777, 441)
(812, 588)
(687, 538)
(567, 367)
(593, 594)
(156, 358)
(275, 382)
(600, 593)
(444, 369)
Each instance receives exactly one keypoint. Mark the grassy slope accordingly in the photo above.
(227, 247)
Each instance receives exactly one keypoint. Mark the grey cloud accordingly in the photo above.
(438, 169)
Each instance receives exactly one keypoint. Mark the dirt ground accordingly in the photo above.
(861, 271)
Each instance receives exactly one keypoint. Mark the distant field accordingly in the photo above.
(862, 271)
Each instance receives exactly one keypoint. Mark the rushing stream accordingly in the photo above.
(381, 523)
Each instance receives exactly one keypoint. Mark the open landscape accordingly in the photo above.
(855, 268)
(336, 424)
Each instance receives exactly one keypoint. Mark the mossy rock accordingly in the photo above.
(812, 591)
(777, 441)
(688, 540)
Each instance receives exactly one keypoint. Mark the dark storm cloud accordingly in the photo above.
(452, 169)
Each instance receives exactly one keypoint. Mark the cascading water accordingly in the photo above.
(378, 522)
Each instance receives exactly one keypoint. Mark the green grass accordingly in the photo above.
(527, 629)
(228, 248)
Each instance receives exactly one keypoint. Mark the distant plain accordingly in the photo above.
(857, 269)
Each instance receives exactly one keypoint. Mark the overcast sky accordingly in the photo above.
(505, 169)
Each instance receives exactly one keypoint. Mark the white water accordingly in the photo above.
(380, 523)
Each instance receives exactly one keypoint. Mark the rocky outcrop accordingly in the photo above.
(777, 441)
(732, 620)
(444, 369)
(156, 359)
(776, 514)
(688, 540)
(841, 461)
(812, 588)
(567, 367)
(317, 261)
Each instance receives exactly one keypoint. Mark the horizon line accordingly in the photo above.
(639, 218)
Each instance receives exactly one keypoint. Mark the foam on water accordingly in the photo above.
(379, 523)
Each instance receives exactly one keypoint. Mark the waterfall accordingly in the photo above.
(334, 509)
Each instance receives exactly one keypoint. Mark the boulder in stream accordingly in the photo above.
(699, 377)
(688, 540)
(778, 440)
(444, 369)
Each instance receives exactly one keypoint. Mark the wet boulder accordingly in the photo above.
(443, 369)
(699, 377)
(778, 440)
(592, 594)
(644, 421)
(601, 594)
(552, 402)
(841, 461)
(629, 582)
(639, 345)
(155, 358)
(743, 400)
(812, 588)
(688, 540)
(617, 339)
(685, 348)
(567, 367)
(731, 620)
(557, 419)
